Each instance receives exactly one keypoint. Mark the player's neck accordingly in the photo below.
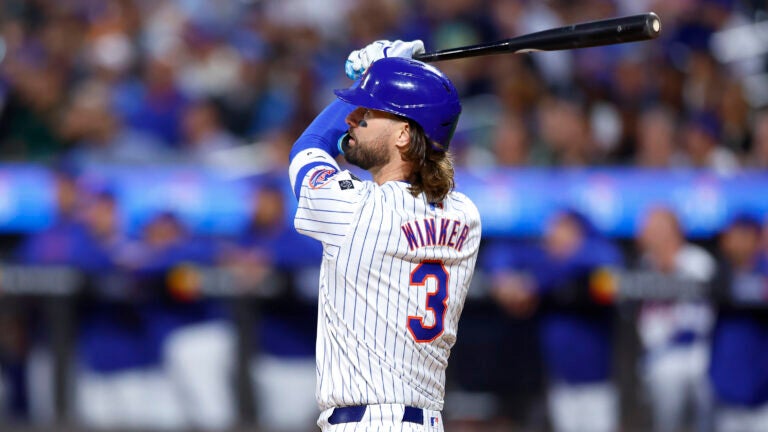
(389, 172)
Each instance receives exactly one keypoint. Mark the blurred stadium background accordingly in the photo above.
(150, 278)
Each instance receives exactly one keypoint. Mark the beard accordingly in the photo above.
(367, 155)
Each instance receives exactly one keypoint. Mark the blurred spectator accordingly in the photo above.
(449, 24)
(656, 137)
(519, 18)
(192, 332)
(511, 142)
(52, 245)
(702, 135)
(500, 336)
(302, 15)
(30, 109)
(204, 135)
(212, 66)
(630, 90)
(15, 340)
(271, 258)
(735, 114)
(576, 330)
(703, 77)
(739, 364)
(758, 155)
(98, 136)
(153, 103)
(30, 388)
(675, 335)
(565, 135)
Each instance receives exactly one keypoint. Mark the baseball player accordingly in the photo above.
(398, 251)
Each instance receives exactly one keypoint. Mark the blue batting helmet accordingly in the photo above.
(410, 89)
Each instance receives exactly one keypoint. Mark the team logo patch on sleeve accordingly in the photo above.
(346, 184)
(321, 177)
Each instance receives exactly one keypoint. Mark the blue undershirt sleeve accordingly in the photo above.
(325, 130)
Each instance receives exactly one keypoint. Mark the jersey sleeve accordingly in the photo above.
(329, 198)
(308, 160)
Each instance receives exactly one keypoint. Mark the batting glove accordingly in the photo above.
(359, 60)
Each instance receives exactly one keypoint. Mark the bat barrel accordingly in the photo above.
(589, 34)
(605, 32)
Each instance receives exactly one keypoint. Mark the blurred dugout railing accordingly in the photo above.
(57, 287)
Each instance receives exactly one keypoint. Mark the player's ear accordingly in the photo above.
(404, 136)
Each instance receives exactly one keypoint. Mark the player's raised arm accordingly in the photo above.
(320, 143)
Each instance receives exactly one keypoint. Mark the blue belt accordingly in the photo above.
(353, 414)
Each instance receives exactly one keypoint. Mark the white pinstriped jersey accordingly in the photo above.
(393, 280)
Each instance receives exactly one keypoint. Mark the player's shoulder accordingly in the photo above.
(463, 203)
(328, 179)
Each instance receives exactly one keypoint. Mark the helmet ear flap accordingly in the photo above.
(410, 89)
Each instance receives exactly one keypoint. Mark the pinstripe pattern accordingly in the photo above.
(365, 352)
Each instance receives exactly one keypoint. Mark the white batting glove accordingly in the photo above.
(359, 60)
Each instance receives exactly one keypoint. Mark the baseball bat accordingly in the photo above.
(610, 31)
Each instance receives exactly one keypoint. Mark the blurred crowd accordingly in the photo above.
(680, 325)
(90, 83)
(153, 319)
(135, 81)
(169, 330)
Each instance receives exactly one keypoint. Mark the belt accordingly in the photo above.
(353, 414)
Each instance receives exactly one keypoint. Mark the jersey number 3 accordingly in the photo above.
(437, 300)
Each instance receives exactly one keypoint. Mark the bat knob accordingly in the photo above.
(653, 24)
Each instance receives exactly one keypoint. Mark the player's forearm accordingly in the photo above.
(325, 130)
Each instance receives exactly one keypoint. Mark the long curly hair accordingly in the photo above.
(432, 170)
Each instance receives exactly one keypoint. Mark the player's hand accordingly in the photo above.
(359, 60)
